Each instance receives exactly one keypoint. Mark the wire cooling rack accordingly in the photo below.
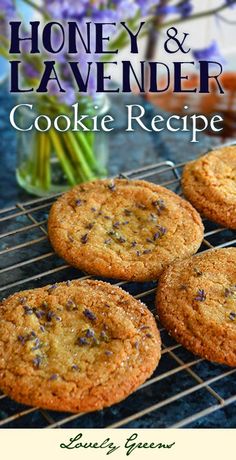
(184, 391)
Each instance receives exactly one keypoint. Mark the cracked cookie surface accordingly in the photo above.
(196, 302)
(76, 346)
(209, 183)
(123, 229)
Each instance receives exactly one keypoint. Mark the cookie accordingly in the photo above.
(77, 346)
(129, 230)
(196, 302)
(209, 183)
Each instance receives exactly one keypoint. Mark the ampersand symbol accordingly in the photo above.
(172, 33)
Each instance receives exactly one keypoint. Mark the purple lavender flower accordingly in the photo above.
(53, 377)
(231, 3)
(87, 11)
(184, 8)
(104, 10)
(89, 333)
(201, 295)
(89, 314)
(211, 52)
(66, 9)
(7, 9)
(69, 97)
(106, 16)
(30, 71)
(146, 5)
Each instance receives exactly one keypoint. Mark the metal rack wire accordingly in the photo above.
(184, 389)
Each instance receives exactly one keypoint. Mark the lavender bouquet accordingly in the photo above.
(52, 161)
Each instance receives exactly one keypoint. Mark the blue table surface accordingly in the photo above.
(127, 151)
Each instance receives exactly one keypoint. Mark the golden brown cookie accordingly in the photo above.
(123, 229)
(196, 302)
(209, 183)
(76, 346)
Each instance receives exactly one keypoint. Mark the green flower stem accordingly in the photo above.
(62, 157)
(90, 134)
(34, 162)
(80, 174)
(46, 167)
(86, 149)
(80, 154)
(3, 52)
(199, 15)
(38, 161)
(4, 41)
(90, 139)
(86, 144)
(40, 158)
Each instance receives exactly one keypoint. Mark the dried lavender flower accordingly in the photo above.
(50, 315)
(51, 288)
(79, 202)
(74, 367)
(89, 333)
(159, 204)
(108, 353)
(82, 341)
(28, 310)
(53, 377)
(70, 305)
(84, 238)
(37, 344)
(89, 314)
(21, 339)
(104, 336)
(201, 295)
(37, 361)
(232, 316)
(95, 341)
(39, 313)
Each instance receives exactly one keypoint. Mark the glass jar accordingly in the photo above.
(52, 161)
